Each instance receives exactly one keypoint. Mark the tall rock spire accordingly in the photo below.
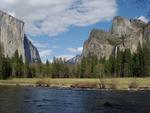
(12, 36)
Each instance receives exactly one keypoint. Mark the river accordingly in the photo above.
(51, 100)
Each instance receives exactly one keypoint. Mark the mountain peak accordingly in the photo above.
(124, 34)
(13, 38)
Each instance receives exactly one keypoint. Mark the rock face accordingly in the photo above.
(147, 32)
(12, 37)
(126, 34)
(31, 52)
(97, 44)
(131, 30)
(74, 60)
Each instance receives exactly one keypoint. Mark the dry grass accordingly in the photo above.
(115, 83)
(133, 85)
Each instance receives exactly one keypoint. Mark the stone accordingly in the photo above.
(127, 33)
(12, 38)
(74, 60)
(97, 44)
(31, 52)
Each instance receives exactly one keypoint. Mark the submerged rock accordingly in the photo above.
(107, 104)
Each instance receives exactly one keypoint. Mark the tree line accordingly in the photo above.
(122, 64)
(125, 64)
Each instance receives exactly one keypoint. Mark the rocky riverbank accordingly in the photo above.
(106, 84)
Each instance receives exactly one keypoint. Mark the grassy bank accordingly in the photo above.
(107, 83)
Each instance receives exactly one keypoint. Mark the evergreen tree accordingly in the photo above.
(15, 64)
(140, 60)
(27, 68)
(118, 63)
(111, 65)
(1, 61)
(99, 70)
(83, 67)
(94, 63)
(6, 68)
(21, 66)
(36, 69)
(127, 62)
(46, 68)
(146, 58)
(135, 65)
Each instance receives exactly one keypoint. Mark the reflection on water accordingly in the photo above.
(45, 100)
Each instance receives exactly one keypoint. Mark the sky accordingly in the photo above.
(60, 27)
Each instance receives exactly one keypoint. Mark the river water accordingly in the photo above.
(46, 100)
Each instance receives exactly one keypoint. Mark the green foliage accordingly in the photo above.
(146, 59)
(17, 65)
(125, 64)
(133, 85)
(120, 64)
(5, 65)
(59, 68)
(6, 68)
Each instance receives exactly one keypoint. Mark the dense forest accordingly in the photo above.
(122, 64)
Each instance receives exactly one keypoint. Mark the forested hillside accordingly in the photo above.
(124, 64)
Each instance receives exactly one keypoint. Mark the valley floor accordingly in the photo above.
(105, 83)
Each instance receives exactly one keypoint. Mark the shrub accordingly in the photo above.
(113, 84)
(84, 85)
(43, 83)
(102, 84)
(133, 85)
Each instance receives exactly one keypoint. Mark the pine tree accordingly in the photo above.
(46, 68)
(94, 62)
(6, 68)
(112, 65)
(26, 68)
(15, 64)
(21, 66)
(99, 70)
(146, 58)
(127, 63)
(135, 65)
(1, 60)
(140, 60)
(36, 69)
(83, 67)
(118, 63)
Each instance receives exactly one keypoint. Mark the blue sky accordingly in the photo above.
(66, 44)
(59, 28)
(75, 37)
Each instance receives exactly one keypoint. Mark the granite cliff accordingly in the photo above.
(31, 52)
(123, 34)
(74, 60)
(12, 37)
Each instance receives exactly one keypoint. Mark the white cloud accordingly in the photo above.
(45, 53)
(75, 50)
(38, 44)
(144, 19)
(80, 49)
(51, 17)
(67, 57)
(9, 1)
(12, 14)
(41, 45)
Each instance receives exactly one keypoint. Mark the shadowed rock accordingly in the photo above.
(12, 37)
(127, 33)
(107, 104)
